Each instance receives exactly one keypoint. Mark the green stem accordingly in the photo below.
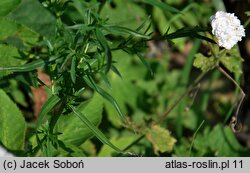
(190, 88)
(195, 133)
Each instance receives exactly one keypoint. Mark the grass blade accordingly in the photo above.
(94, 129)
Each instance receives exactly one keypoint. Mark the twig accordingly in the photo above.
(241, 91)
(165, 114)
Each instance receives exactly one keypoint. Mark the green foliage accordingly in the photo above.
(72, 129)
(232, 61)
(12, 124)
(9, 57)
(8, 6)
(122, 141)
(29, 11)
(205, 63)
(161, 5)
(219, 140)
(12, 30)
(109, 70)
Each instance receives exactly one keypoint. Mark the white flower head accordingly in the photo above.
(227, 28)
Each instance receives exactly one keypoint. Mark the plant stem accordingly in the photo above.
(132, 144)
(195, 133)
(190, 88)
(241, 91)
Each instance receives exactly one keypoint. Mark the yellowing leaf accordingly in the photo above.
(204, 63)
(161, 139)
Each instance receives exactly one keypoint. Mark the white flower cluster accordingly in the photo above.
(227, 28)
(4, 153)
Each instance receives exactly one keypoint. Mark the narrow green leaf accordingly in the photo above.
(161, 5)
(48, 106)
(145, 63)
(12, 124)
(124, 30)
(73, 69)
(49, 45)
(121, 140)
(94, 129)
(161, 139)
(116, 71)
(189, 32)
(29, 66)
(204, 38)
(106, 80)
(107, 96)
(186, 72)
(102, 40)
(6, 6)
(137, 29)
(73, 132)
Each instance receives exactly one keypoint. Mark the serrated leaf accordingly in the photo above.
(161, 139)
(221, 140)
(6, 6)
(12, 124)
(204, 63)
(232, 63)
